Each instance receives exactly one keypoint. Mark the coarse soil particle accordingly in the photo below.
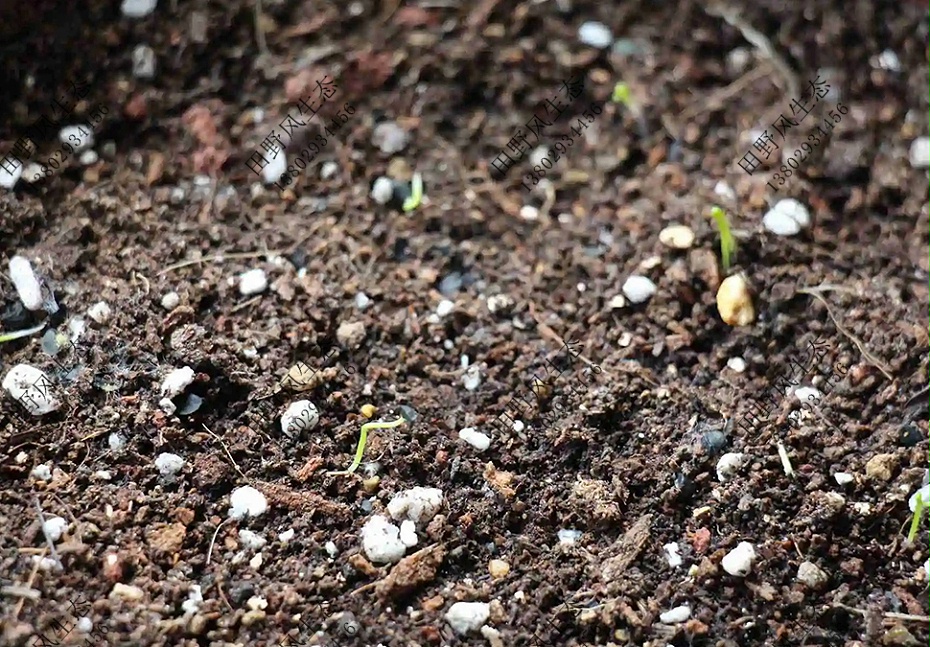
(627, 456)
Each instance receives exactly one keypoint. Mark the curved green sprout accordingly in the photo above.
(621, 95)
(915, 522)
(727, 242)
(416, 193)
(20, 333)
(363, 437)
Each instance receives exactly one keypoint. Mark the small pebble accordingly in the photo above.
(382, 190)
(275, 167)
(331, 549)
(23, 383)
(298, 417)
(137, 8)
(924, 494)
(362, 301)
(10, 172)
(568, 537)
(126, 592)
(734, 302)
(806, 394)
(595, 34)
(476, 439)
(251, 540)
(471, 379)
(724, 190)
(538, 154)
(919, 154)
(116, 442)
(498, 568)
(677, 237)
(671, 553)
(54, 528)
(26, 283)
(408, 533)
(350, 334)
(41, 473)
(246, 501)
(500, 303)
(176, 381)
(389, 138)
(84, 625)
(728, 465)
(787, 218)
(88, 157)
(170, 301)
(253, 282)
(87, 140)
(381, 541)
(465, 617)
(617, 302)
(445, 307)
(143, 62)
(418, 504)
(286, 536)
(169, 464)
(736, 364)
(328, 170)
(739, 560)
(194, 599)
(638, 289)
(812, 576)
(842, 478)
(100, 312)
(676, 615)
(529, 212)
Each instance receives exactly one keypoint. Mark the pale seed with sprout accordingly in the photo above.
(734, 302)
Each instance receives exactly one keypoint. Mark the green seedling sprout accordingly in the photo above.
(915, 522)
(727, 242)
(10, 336)
(363, 437)
(416, 193)
(621, 95)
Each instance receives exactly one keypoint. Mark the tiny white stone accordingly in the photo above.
(465, 617)
(737, 364)
(806, 394)
(256, 603)
(26, 283)
(499, 303)
(595, 34)
(888, 60)
(568, 537)
(276, 166)
(87, 140)
(88, 157)
(251, 540)
(474, 438)
(194, 598)
(617, 302)
(811, 575)
(786, 218)
(143, 62)
(842, 478)
(418, 504)
(671, 552)
(23, 383)
(728, 464)
(638, 288)
(862, 508)
(170, 301)
(724, 190)
(100, 312)
(529, 212)
(137, 8)
(920, 152)
(381, 541)
(673, 616)
(328, 170)
(166, 405)
(299, 416)
(927, 568)
(169, 464)
(445, 307)
(116, 441)
(54, 527)
(471, 378)
(246, 501)
(253, 282)
(924, 494)
(389, 137)
(103, 475)
(256, 561)
(362, 301)
(739, 560)
(46, 563)
(41, 473)
(408, 533)
(382, 190)
(9, 178)
(286, 536)
(84, 625)
(330, 548)
(625, 340)
(176, 381)
(538, 154)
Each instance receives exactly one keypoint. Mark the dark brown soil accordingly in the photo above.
(629, 455)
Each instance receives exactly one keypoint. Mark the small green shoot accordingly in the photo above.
(10, 336)
(915, 522)
(363, 438)
(416, 193)
(727, 242)
(621, 95)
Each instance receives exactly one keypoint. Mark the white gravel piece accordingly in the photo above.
(176, 381)
(728, 465)
(286, 536)
(100, 312)
(389, 137)
(328, 170)
(170, 300)
(143, 62)
(676, 615)
(362, 300)
(194, 599)
(671, 553)
(806, 394)
(88, 157)
(251, 540)
(418, 504)
(169, 464)
(32, 388)
(84, 625)
(919, 154)
(351, 334)
(445, 307)
(54, 528)
(330, 548)
(924, 494)
(499, 303)
(471, 379)
(166, 405)
(638, 289)
(26, 283)
(787, 218)
(382, 190)
(617, 302)
(41, 473)
(538, 154)
(739, 560)
(137, 8)
(736, 364)
(74, 130)
(408, 533)
(116, 441)
(812, 576)
(595, 34)
(724, 190)
(253, 282)
(300, 416)
(246, 501)
(568, 537)
(529, 212)
(276, 166)
(474, 438)
(842, 478)
(465, 617)
(10, 172)
(381, 541)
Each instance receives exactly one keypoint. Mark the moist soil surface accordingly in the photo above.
(621, 411)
